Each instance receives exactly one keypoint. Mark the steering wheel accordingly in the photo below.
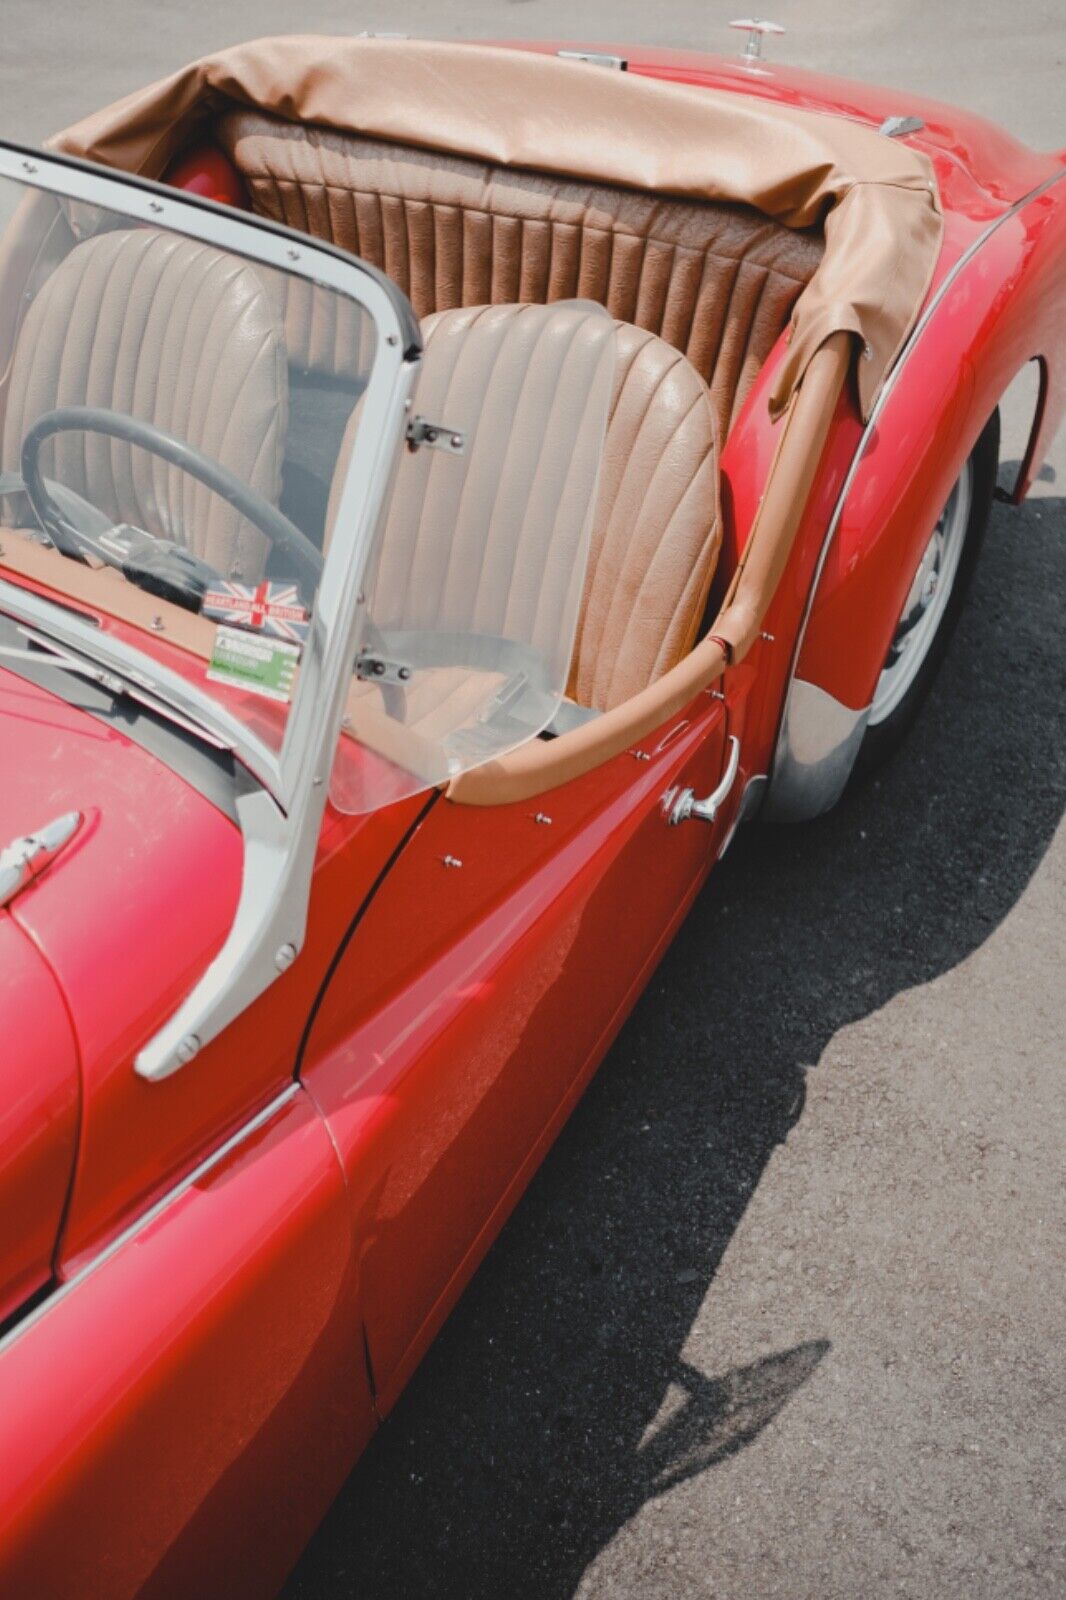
(72, 541)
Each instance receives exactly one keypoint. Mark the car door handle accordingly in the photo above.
(680, 804)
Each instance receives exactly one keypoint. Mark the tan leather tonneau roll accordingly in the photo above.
(875, 198)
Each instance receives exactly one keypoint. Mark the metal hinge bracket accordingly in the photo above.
(379, 669)
(436, 436)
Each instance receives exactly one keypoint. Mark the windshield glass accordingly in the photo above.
(172, 420)
(194, 447)
(474, 589)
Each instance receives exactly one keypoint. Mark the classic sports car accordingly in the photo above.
(444, 490)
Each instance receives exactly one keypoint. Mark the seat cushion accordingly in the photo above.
(716, 281)
(179, 335)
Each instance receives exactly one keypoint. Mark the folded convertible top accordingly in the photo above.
(875, 199)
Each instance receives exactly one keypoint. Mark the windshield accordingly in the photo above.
(192, 438)
(172, 419)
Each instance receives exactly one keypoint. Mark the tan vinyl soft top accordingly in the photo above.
(875, 198)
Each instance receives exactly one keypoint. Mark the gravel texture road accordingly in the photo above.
(781, 1315)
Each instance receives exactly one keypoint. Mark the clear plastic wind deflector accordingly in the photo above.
(175, 428)
(472, 594)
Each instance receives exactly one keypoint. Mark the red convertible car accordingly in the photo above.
(444, 490)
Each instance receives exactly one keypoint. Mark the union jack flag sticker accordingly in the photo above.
(270, 608)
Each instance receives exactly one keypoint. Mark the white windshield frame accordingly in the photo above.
(366, 482)
(281, 820)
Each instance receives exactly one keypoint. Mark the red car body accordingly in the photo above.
(217, 1285)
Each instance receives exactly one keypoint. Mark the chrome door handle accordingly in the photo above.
(680, 804)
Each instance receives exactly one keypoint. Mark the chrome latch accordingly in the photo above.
(681, 804)
(434, 434)
(24, 859)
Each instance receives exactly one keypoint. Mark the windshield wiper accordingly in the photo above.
(129, 686)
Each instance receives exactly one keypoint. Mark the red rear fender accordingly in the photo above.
(1003, 307)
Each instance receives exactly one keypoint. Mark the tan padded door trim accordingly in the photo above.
(176, 334)
(717, 281)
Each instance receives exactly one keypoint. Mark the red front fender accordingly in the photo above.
(1004, 305)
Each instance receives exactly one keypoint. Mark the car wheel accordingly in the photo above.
(933, 605)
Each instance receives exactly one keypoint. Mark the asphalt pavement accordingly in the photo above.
(781, 1316)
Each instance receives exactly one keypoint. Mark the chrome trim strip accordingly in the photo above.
(145, 1220)
(780, 754)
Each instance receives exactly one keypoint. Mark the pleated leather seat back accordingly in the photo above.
(717, 282)
(174, 333)
(655, 530)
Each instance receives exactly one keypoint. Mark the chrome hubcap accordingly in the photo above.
(926, 602)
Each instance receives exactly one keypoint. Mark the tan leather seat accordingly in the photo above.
(179, 335)
(716, 281)
(656, 527)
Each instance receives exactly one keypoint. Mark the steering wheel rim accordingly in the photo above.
(271, 522)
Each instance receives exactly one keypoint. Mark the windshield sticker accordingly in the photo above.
(248, 661)
(270, 608)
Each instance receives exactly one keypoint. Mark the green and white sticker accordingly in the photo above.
(253, 661)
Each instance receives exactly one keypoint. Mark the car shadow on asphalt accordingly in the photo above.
(557, 1399)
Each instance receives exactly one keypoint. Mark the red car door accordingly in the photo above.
(476, 994)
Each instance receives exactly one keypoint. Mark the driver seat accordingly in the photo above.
(178, 335)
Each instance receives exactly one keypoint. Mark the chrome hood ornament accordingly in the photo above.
(25, 859)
